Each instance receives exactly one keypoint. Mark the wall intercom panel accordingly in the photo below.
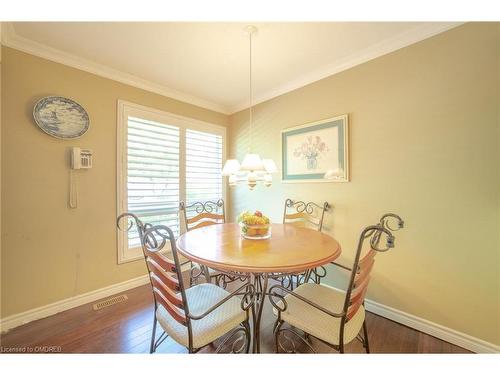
(80, 158)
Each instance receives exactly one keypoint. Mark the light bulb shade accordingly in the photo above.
(231, 167)
(233, 180)
(252, 162)
(334, 174)
(252, 180)
(268, 180)
(269, 166)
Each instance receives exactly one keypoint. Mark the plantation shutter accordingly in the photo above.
(152, 174)
(203, 166)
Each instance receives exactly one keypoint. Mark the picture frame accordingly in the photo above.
(316, 152)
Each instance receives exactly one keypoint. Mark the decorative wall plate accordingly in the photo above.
(61, 117)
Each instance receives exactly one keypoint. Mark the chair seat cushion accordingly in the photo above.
(315, 322)
(220, 321)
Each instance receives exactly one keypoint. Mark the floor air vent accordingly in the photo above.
(110, 301)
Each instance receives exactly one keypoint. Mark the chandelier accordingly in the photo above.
(253, 168)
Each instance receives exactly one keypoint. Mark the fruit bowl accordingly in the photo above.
(254, 226)
(255, 232)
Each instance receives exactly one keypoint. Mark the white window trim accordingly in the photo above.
(126, 109)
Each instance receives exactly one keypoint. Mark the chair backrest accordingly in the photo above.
(309, 214)
(201, 214)
(360, 276)
(164, 273)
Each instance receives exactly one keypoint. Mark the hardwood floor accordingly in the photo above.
(126, 328)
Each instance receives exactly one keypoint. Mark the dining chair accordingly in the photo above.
(311, 215)
(193, 317)
(198, 215)
(332, 316)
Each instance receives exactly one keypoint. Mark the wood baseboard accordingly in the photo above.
(444, 333)
(452, 336)
(15, 320)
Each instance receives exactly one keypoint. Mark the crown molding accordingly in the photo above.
(426, 30)
(11, 39)
(417, 34)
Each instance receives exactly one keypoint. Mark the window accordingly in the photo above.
(152, 174)
(203, 166)
(162, 159)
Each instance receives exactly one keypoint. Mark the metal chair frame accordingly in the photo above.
(304, 212)
(149, 236)
(221, 279)
(209, 207)
(372, 232)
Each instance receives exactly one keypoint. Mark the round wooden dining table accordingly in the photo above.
(289, 250)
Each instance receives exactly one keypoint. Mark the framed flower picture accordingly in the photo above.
(316, 152)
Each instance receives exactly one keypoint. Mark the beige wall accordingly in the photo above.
(424, 143)
(1, 25)
(52, 252)
(424, 124)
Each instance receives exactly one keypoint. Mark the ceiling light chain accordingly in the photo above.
(252, 168)
(251, 30)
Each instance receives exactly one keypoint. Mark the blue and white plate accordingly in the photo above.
(61, 117)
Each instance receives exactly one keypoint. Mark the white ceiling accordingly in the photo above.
(207, 63)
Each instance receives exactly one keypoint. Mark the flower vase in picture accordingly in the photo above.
(311, 150)
(312, 162)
